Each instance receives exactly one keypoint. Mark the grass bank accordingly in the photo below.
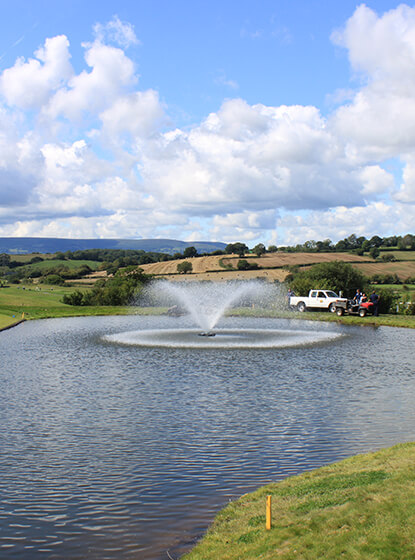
(43, 301)
(404, 321)
(362, 508)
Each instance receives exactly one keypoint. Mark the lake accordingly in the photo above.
(115, 450)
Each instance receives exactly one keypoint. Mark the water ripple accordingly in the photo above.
(121, 451)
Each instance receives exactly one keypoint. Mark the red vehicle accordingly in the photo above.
(350, 307)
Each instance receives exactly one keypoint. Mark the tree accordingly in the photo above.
(374, 252)
(335, 275)
(190, 252)
(4, 259)
(366, 245)
(352, 241)
(376, 241)
(184, 267)
(408, 241)
(272, 249)
(238, 248)
(243, 264)
(259, 249)
(54, 280)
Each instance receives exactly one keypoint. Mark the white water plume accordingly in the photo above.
(207, 302)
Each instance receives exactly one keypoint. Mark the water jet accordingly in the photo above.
(206, 306)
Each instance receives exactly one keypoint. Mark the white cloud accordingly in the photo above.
(94, 157)
(380, 120)
(139, 114)
(111, 72)
(29, 84)
(255, 158)
(407, 191)
(116, 31)
(372, 219)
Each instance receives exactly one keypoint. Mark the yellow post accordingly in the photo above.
(268, 514)
(23, 315)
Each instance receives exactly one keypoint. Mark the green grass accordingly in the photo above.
(48, 265)
(401, 255)
(7, 319)
(405, 321)
(408, 289)
(40, 302)
(28, 256)
(362, 508)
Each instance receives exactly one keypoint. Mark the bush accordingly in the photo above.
(75, 298)
(243, 264)
(120, 290)
(410, 310)
(53, 280)
(336, 275)
(184, 267)
(387, 300)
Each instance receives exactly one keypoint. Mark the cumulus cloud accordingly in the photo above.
(379, 122)
(111, 72)
(121, 33)
(340, 222)
(256, 158)
(29, 84)
(139, 114)
(97, 157)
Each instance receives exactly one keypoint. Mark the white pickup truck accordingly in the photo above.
(316, 299)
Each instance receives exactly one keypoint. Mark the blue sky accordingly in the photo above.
(273, 122)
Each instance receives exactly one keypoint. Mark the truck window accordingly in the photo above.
(313, 294)
(332, 294)
(321, 294)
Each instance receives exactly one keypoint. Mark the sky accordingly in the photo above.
(263, 121)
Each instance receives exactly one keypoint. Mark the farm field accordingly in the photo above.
(401, 255)
(211, 265)
(44, 266)
(28, 256)
(404, 269)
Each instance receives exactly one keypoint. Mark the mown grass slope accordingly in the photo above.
(362, 508)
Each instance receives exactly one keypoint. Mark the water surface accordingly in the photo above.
(113, 450)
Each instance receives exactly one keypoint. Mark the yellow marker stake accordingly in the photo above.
(268, 514)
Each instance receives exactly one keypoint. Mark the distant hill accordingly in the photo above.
(19, 245)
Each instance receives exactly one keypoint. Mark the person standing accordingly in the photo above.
(357, 297)
(374, 298)
(289, 295)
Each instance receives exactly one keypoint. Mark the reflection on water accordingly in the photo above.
(121, 451)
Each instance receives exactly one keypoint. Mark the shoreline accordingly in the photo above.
(390, 320)
(7, 327)
(360, 507)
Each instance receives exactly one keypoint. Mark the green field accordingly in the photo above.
(45, 266)
(401, 255)
(43, 301)
(28, 256)
(40, 302)
(362, 508)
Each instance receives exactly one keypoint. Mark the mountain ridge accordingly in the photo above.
(22, 245)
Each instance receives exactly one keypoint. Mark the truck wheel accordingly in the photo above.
(301, 307)
(362, 312)
(332, 308)
(340, 311)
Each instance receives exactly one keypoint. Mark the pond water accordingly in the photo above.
(115, 448)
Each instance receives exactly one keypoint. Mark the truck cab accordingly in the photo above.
(316, 299)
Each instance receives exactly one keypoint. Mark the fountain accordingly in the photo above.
(207, 304)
